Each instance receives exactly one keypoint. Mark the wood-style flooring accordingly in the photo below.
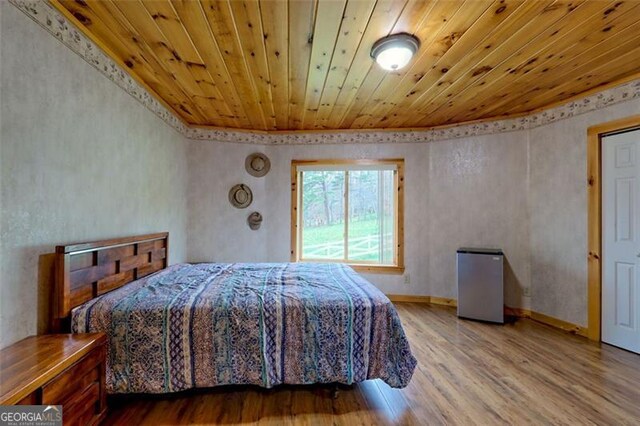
(468, 373)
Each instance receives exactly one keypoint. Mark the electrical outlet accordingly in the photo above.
(526, 291)
(407, 279)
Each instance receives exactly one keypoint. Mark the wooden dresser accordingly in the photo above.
(57, 369)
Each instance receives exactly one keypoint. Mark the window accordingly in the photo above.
(348, 211)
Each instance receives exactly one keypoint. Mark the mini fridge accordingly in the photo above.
(480, 280)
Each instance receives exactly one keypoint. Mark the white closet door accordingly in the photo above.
(621, 240)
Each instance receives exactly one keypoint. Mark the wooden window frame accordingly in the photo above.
(594, 215)
(296, 194)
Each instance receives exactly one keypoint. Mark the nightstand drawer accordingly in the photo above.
(74, 379)
(82, 407)
(60, 369)
(31, 399)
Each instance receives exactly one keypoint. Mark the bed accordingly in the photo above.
(172, 328)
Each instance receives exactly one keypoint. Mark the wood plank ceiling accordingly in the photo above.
(278, 65)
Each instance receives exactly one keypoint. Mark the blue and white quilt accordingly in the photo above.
(265, 324)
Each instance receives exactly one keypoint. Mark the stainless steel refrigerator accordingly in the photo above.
(480, 280)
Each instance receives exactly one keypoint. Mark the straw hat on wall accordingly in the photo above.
(257, 164)
(240, 196)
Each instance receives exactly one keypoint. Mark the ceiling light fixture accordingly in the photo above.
(395, 51)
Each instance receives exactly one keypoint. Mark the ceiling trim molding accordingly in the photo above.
(61, 28)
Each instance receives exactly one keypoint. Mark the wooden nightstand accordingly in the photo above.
(57, 369)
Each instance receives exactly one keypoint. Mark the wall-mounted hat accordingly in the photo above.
(257, 164)
(254, 220)
(240, 196)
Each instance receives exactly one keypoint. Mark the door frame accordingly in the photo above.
(594, 217)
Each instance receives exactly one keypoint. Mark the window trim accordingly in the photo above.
(296, 194)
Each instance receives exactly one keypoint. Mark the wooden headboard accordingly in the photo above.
(87, 270)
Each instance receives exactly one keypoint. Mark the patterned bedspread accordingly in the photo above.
(214, 324)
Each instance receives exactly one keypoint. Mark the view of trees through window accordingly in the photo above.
(362, 198)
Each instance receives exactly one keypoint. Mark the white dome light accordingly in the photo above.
(395, 51)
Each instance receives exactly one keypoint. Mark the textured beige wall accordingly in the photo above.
(79, 159)
(558, 212)
(466, 192)
(217, 230)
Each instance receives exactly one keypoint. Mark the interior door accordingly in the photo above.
(621, 240)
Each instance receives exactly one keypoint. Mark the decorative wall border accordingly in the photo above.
(55, 23)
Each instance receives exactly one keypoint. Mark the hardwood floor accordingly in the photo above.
(468, 373)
